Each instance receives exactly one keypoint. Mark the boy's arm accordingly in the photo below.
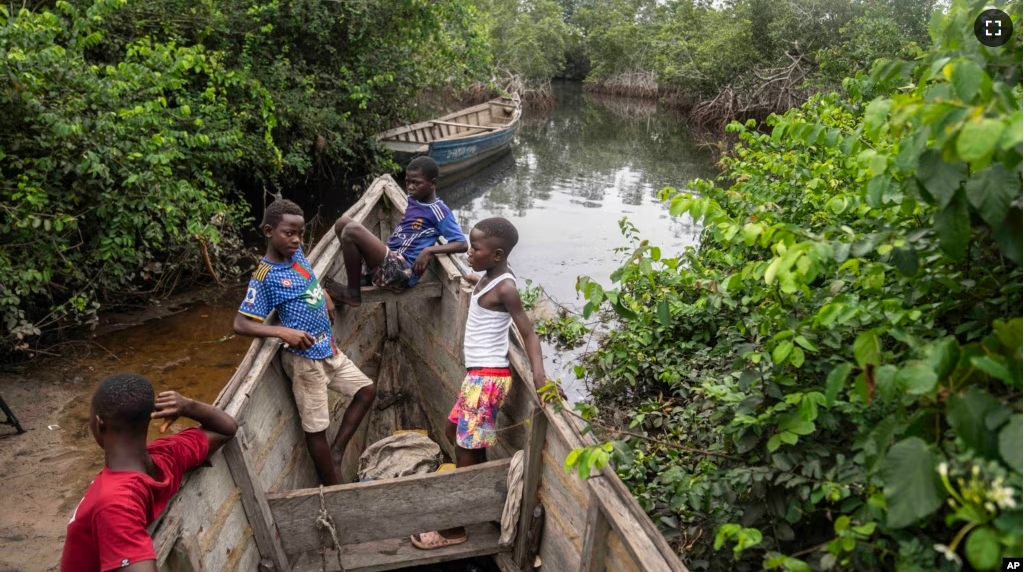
(508, 294)
(215, 422)
(245, 326)
(420, 265)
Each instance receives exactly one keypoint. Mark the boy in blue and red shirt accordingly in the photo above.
(284, 281)
(400, 263)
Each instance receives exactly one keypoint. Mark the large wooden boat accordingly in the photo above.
(255, 507)
(460, 142)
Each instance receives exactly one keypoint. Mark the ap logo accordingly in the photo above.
(1016, 564)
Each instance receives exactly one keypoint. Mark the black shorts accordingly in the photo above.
(393, 273)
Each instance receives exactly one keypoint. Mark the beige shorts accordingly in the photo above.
(310, 380)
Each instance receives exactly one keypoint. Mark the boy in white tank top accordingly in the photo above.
(494, 306)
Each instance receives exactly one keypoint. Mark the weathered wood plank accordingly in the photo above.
(390, 308)
(616, 557)
(426, 289)
(396, 553)
(165, 536)
(365, 512)
(465, 125)
(531, 481)
(595, 539)
(636, 540)
(254, 501)
(650, 531)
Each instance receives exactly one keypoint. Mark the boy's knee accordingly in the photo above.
(368, 393)
(341, 224)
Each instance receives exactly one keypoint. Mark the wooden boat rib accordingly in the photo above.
(255, 507)
(459, 141)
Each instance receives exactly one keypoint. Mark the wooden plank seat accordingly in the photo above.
(374, 519)
(397, 553)
(375, 295)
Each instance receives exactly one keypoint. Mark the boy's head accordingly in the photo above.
(421, 178)
(490, 243)
(282, 225)
(121, 406)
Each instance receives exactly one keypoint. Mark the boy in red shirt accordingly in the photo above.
(108, 529)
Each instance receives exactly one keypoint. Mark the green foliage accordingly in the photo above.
(110, 170)
(838, 366)
(128, 129)
(528, 38)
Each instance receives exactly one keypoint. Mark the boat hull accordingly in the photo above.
(455, 141)
(256, 506)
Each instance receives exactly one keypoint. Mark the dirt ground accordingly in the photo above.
(45, 471)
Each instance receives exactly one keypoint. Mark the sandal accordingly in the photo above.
(433, 540)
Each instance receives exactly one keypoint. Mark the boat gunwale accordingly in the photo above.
(392, 133)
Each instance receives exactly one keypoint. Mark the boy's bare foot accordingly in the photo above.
(349, 296)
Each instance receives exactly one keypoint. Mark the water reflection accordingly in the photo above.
(571, 175)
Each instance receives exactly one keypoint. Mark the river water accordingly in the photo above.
(572, 174)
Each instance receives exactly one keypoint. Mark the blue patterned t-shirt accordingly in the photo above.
(291, 288)
(420, 227)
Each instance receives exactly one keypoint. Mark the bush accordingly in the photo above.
(833, 379)
(111, 171)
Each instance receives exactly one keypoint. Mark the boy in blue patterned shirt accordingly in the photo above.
(284, 281)
(400, 263)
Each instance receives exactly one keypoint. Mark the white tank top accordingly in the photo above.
(486, 341)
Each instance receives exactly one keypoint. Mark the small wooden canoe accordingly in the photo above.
(255, 507)
(460, 141)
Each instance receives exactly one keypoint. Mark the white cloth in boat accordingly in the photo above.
(486, 341)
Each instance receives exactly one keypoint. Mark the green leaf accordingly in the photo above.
(917, 379)
(940, 179)
(1008, 236)
(663, 315)
(978, 138)
(1010, 442)
(953, 225)
(966, 78)
(993, 366)
(991, 191)
(966, 414)
(877, 187)
(782, 351)
(905, 260)
(943, 356)
(622, 310)
(836, 380)
(1010, 334)
(875, 115)
(751, 231)
(983, 549)
(913, 489)
(867, 348)
(797, 358)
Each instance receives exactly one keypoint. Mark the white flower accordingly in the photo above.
(944, 471)
(949, 554)
(1002, 496)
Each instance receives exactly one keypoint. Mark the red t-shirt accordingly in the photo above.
(108, 529)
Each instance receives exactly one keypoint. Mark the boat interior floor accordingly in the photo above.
(373, 520)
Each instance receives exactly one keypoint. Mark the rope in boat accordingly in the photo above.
(510, 515)
(325, 524)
